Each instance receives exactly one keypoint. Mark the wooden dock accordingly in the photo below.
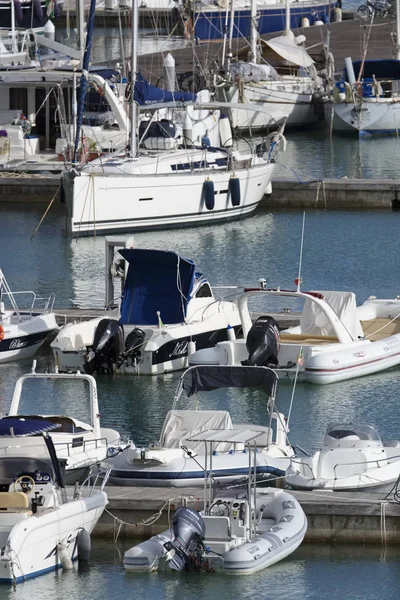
(347, 38)
(333, 517)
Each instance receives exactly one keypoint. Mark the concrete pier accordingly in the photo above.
(357, 194)
(333, 517)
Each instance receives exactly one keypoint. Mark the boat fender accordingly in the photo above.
(305, 22)
(337, 15)
(230, 333)
(84, 545)
(1, 332)
(234, 190)
(37, 10)
(63, 556)
(208, 194)
(191, 348)
(18, 11)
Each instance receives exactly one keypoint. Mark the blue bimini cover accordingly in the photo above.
(156, 281)
(146, 93)
(19, 427)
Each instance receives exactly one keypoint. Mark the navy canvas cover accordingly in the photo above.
(157, 280)
(146, 93)
(19, 427)
(208, 378)
(382, 69)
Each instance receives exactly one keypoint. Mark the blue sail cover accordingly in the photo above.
(17, 427)
(157, 280)
(146, 93)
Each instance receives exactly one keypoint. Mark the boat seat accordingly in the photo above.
(380, 328)
(332, 467)
(307, 338)
(217, 528)
(14, 502)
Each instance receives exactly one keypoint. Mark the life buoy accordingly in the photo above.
(188, 29)
(1, 332)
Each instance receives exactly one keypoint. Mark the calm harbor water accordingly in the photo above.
(342, 250)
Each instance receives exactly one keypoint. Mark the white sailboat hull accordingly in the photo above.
(374, 117)
(292, 105)
(100, 204)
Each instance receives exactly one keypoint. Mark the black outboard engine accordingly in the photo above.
(133, 344)
(262, 343)
(107, 345)
(189, 530)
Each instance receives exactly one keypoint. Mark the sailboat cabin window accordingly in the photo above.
(204, 291)
(19, 99)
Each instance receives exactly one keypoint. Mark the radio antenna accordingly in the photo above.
(299, 279)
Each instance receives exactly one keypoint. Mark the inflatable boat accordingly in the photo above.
(237, 534)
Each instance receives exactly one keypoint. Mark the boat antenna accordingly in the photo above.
(299, 280)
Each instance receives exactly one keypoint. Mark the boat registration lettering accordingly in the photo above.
(180, 349)
(17, 343)
(253, 550)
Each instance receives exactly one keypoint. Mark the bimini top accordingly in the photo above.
(147, 94)
(287, 49)
(157, 281)
(17, 427)
(212, 377)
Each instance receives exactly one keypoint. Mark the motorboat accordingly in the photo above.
(42, 528)
(22, 332)
(366, 100)
(175, 180)
(334, 341)
(167, 309)
(238, 531)
(178, 460)
(81, 446)
(353, 457)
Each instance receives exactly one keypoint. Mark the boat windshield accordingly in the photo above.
(354, 431)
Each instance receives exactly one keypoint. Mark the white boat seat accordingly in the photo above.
(14, 502)
(182, 424)
(217, 528)
(380, 328)
(330, 466)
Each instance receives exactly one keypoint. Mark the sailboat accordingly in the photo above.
(192, 180)
(282, 78)
(367, 99)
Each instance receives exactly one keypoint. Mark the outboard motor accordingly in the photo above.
(262, 343)
(133, 344)
(189, 531)
(107, 346)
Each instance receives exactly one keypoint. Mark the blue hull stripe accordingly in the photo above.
(182, 475)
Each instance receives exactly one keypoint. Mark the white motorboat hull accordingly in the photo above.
(289, 106)
(184, 471)
(167, 349)
(23, 339)
(101, 204)
(235, 554)
(323, 364)
(31, 547)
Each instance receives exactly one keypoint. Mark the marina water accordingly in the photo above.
(355, 251)
(342, 250)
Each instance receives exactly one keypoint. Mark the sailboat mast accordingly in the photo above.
(397, 51)
(254, 32)
(287, 18)
(134, 53)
